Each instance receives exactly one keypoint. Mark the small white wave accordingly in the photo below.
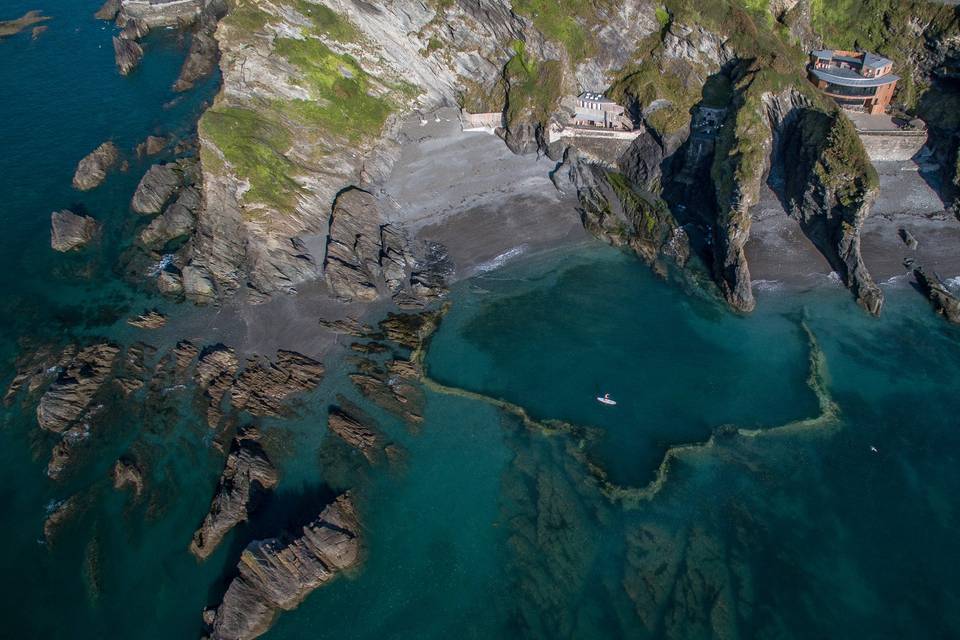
(953, 284)
(894, 281)
(500, 260)
(165, 262)
(766, 285)
(174, 388)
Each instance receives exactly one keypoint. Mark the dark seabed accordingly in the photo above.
(787, 525)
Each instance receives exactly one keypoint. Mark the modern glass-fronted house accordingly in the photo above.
(857, 80)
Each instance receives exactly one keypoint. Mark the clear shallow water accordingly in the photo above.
(488, 529)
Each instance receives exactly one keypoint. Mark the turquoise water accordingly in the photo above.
(488, 528)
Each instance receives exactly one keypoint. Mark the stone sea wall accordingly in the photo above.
(895, 146)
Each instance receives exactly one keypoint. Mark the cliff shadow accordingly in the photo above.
(941, 104)
(687, 179)
(279, 514)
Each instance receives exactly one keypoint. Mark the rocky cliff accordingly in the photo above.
(307, 121)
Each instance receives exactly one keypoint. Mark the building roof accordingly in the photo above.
(595, 97)
(850, 78)
(866, 59)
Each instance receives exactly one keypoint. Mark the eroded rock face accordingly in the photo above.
(262, 388)
(70, 394)
(92, 169)
(831, 188)
(247, 474)
(197, 284)
(70, 231)
(944, 302)
(276, 575)
(108, 10)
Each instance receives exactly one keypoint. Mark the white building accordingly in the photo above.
(596, 110)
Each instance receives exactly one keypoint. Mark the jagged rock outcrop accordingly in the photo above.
(393, 386)
(126, 473)
(944, 302)
(157, 187)
(247, 475)
(71, 231)
(364, 254)
(215, 373)
(36, 367)
(70, 394)
(261, 388)
(831, 186)
(277, 574)
(150, 319)
(163, 14)
(183, 353)
(92, 169)
(128, 54)
(356, 428)
(612, 209)
(177, 221)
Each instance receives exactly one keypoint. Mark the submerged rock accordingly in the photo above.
(92, 169)
(128, 54)
(126, 473)
(944, 302)
(60, 513)
(276, 575)
(151, 146)
(247, 474)
(261, 388)
(70, 231)
(393, 388)
(69, 396)
(155, 188)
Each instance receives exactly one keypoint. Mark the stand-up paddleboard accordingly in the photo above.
(606, 399)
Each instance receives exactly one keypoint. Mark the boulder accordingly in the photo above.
(155, 188)
(169, 283)
(944, 302)
(276, 575)
(247, 474)
(908, 239)
(178, 220)
(198, 284)
(92, 169)
(127, 53)
(71, 231)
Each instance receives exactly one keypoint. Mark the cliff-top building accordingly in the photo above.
(596, 110)
(857, 80)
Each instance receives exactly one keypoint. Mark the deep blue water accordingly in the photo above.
(488, 529)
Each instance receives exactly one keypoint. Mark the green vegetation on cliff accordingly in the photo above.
(565, 21)
(254, 146)
(342, 101)
(533, 87)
